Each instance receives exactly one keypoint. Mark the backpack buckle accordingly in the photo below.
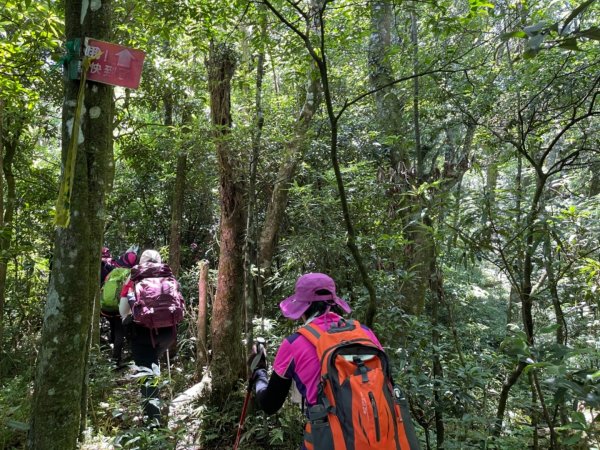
(361, 368)
(343, 325)
(317, 413)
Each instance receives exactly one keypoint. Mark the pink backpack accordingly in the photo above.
(158, 301)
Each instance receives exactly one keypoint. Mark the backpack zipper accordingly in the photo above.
(375, 416)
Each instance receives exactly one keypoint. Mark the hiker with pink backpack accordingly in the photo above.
(152, 302)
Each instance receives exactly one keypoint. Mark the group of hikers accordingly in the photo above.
(337, 365)
(142, 302)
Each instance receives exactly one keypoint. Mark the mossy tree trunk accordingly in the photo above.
(8, 195)
(389, 109)
(293, 153)
(389, 106)
(3, 264)
(251, 280)
(315, 45)
(60, 396)
(227, 364)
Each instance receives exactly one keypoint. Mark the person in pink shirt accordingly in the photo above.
(314, 301)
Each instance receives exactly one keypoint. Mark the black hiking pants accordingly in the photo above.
(147, 349)
(117, 337)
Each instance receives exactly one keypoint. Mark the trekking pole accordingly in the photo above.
(260, 345)
(169, 365)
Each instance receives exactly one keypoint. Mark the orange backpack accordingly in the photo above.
(358, 407)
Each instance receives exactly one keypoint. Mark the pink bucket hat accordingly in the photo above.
(306, 293)
(127, 259)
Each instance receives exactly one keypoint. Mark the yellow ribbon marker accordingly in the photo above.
(63, 203)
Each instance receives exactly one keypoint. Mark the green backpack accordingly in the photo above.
(111, 291)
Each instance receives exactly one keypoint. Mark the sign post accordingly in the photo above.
(117, 65)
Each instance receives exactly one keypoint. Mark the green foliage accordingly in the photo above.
(567, 34)
(14, 412)
(144, 438)
(29, 36)
(520, 106)
(280, 431)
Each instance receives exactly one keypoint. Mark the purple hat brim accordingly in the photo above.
(292, 309)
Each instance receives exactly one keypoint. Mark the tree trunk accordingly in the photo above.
(390, 118)
(226, 324)
(177, 213)
(293, 151)
(595, 180)
(535, 422)
(388, 107)
(3, 262)
(491, 183)
(201, 346)
(8, 148)
(419, 150)
(437, 289)
(318, 54)
(179, 189)
(513, 297)
(503, 399)
(320, 58)
(525, 268)
(7, 211)
(59, 399)
(250, 246)
(561, 331)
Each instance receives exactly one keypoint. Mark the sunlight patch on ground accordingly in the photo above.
(184, 410)
(95, 442)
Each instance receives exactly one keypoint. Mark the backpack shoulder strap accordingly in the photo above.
(311, 333)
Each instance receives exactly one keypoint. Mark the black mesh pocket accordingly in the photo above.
(320, 431)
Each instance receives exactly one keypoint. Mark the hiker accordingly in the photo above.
(106, 264)
(110, 295)
(377, 422)
(152, 303)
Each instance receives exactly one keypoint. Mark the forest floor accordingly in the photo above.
(115, 415)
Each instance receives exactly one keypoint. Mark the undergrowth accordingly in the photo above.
(14, 412)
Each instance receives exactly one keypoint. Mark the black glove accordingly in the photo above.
(258, 357)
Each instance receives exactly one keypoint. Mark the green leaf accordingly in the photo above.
(575, 13)
(538, 365)
(515, 346)
(591, 33)
(594, 376)
(512, 34)
(16, 425)
(532, 47)
(578, 416)
(569, 44)
(534, 42)
(533, 30)
(549, 329)
(573, 439)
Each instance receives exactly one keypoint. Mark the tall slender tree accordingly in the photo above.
(59, 399)
(227, 364)
(317, 49)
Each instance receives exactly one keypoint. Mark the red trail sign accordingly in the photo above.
(117, 65)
